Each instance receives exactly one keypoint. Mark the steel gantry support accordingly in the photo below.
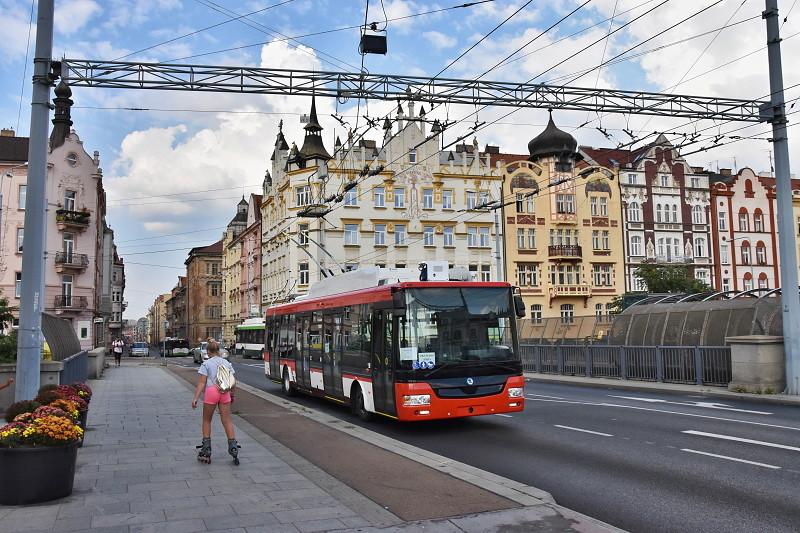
(342, 85)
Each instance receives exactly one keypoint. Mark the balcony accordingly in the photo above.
(70, 263)
(581, 289)
(72, 220)
(565, 251)
(114, 324)
(74, 304)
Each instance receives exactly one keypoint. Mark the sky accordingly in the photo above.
(175, 168)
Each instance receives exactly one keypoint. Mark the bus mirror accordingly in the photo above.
(519, 306)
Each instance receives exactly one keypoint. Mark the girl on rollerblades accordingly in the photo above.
(213, 398)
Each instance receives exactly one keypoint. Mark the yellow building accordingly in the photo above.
(231, 255)
(563, 237)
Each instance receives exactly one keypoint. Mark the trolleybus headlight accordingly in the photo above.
(515, 392)
(411, 400)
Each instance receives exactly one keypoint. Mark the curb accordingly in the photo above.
(670, 389)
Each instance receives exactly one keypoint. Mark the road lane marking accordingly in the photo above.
(506, 416)
(584, 430)
(740, 439)
(773, 467)
(706, 405)
(544, 396)
(694, 415)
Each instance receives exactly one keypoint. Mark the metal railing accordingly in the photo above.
(76, 368)
(699, 365)
(72, 259)
(71, 302)
(564, 250)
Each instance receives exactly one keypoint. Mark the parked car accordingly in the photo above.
(140, 349)
(200, 353)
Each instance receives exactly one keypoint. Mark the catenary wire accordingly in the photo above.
(25, 65)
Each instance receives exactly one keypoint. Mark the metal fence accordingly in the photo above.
(700, 365)
(76, 368)
(573, 330)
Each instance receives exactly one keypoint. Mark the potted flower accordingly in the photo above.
(38, 450)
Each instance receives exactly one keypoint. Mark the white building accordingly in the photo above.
(392, 205)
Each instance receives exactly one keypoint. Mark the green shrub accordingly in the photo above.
(25, 406)
(8, 347)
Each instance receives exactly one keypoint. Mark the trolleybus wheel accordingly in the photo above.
(358, 406)
(288, 389)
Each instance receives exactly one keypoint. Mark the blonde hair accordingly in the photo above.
(212, 346)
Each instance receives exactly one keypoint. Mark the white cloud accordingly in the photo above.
(440, 40)
(160, 227)
(72, 15)
(15, 19)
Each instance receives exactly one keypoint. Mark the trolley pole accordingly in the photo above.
(776, 114)
(29, 343)
(498, 258)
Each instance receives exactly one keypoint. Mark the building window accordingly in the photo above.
(633, 179)
(745, 253)
(634, 212)
(758, 220)
(744, 221)
(658, 213)
(66, 289)
(521, 238)
(351, 197)
(69, 200)
(486, 273)
(664, 180)
(567, 313)
(598, 312)
(601, 275)
(638, 284)
(302, 234)
(214, 289)
(473, 272)
(23, 196)
(399, 265)
(702, 275)
(520, 202)
(379, 196)
(380, 234)
(595, 240)
(351, 234)
(722, 220)
(399, 234)
(694, 182)
(472, 236)
(726, 284)
(761, 254)
(605, 240)
(212, 268)
(698, 215)
(530, 203)
(674, 213)
(448, 236)
(531, 238)
(302, 195)
(599, 206)
(303, 276)
(427, 198)
(20, 238)
(18, 285)
(762, 281)
(528, 274)
(428, 236)
(748, 282)
(471, 199)
(484, 235)
(536, 313)
(412, 156)
(483, 198)
(565, 203)
(699, 247)
(399, 197)
(636, 245)
(447, 199)
(565, 275)
(723, 254)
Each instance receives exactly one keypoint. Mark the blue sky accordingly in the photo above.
(159, 165)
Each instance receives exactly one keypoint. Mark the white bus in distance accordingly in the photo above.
(250, 338)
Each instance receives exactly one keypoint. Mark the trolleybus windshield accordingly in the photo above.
(456, 326)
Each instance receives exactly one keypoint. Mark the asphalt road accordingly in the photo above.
(640, 461)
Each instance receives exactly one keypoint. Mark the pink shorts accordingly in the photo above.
(213, 396)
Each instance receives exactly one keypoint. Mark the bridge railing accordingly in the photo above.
(700, 365)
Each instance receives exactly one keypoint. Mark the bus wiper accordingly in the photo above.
(440, 367)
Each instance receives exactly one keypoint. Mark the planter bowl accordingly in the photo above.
(34, 475)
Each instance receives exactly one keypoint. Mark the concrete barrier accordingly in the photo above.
(97, 362)
(757, 364)
(50, 373)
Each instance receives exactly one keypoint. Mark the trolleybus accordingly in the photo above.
(250, 338)
(172, 347)
(383, 342)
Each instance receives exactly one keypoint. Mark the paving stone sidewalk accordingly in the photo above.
(137, 473)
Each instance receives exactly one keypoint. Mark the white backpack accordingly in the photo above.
(225, 380)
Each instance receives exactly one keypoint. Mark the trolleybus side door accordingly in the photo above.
(332, 354)
(382, 362)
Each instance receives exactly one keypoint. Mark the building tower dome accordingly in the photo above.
(553, 142)
(62, 121)
(312, 144)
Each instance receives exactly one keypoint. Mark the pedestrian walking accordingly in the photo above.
(117, 345)
(216, 384)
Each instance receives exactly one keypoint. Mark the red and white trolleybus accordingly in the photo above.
(386, 343)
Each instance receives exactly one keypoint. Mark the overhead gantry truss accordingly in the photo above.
(344, 85)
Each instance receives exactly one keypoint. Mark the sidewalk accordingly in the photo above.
(672, 388)
(137, 472)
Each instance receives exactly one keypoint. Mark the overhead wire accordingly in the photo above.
(25, 66)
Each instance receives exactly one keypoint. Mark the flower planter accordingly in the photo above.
(34, 475)
(82, 416)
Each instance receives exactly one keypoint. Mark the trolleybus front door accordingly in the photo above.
(382, 362)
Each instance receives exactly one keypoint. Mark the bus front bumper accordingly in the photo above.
(441, 408)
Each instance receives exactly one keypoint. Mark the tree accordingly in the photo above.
(669, 279)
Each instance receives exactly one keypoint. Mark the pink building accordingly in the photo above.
(79, 249)
(250, 260)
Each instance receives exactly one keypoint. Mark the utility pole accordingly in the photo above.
(498, 258)
(29, 344)
(776, 114)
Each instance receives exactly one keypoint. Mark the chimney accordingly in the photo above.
(7, 132)
(725, 171)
